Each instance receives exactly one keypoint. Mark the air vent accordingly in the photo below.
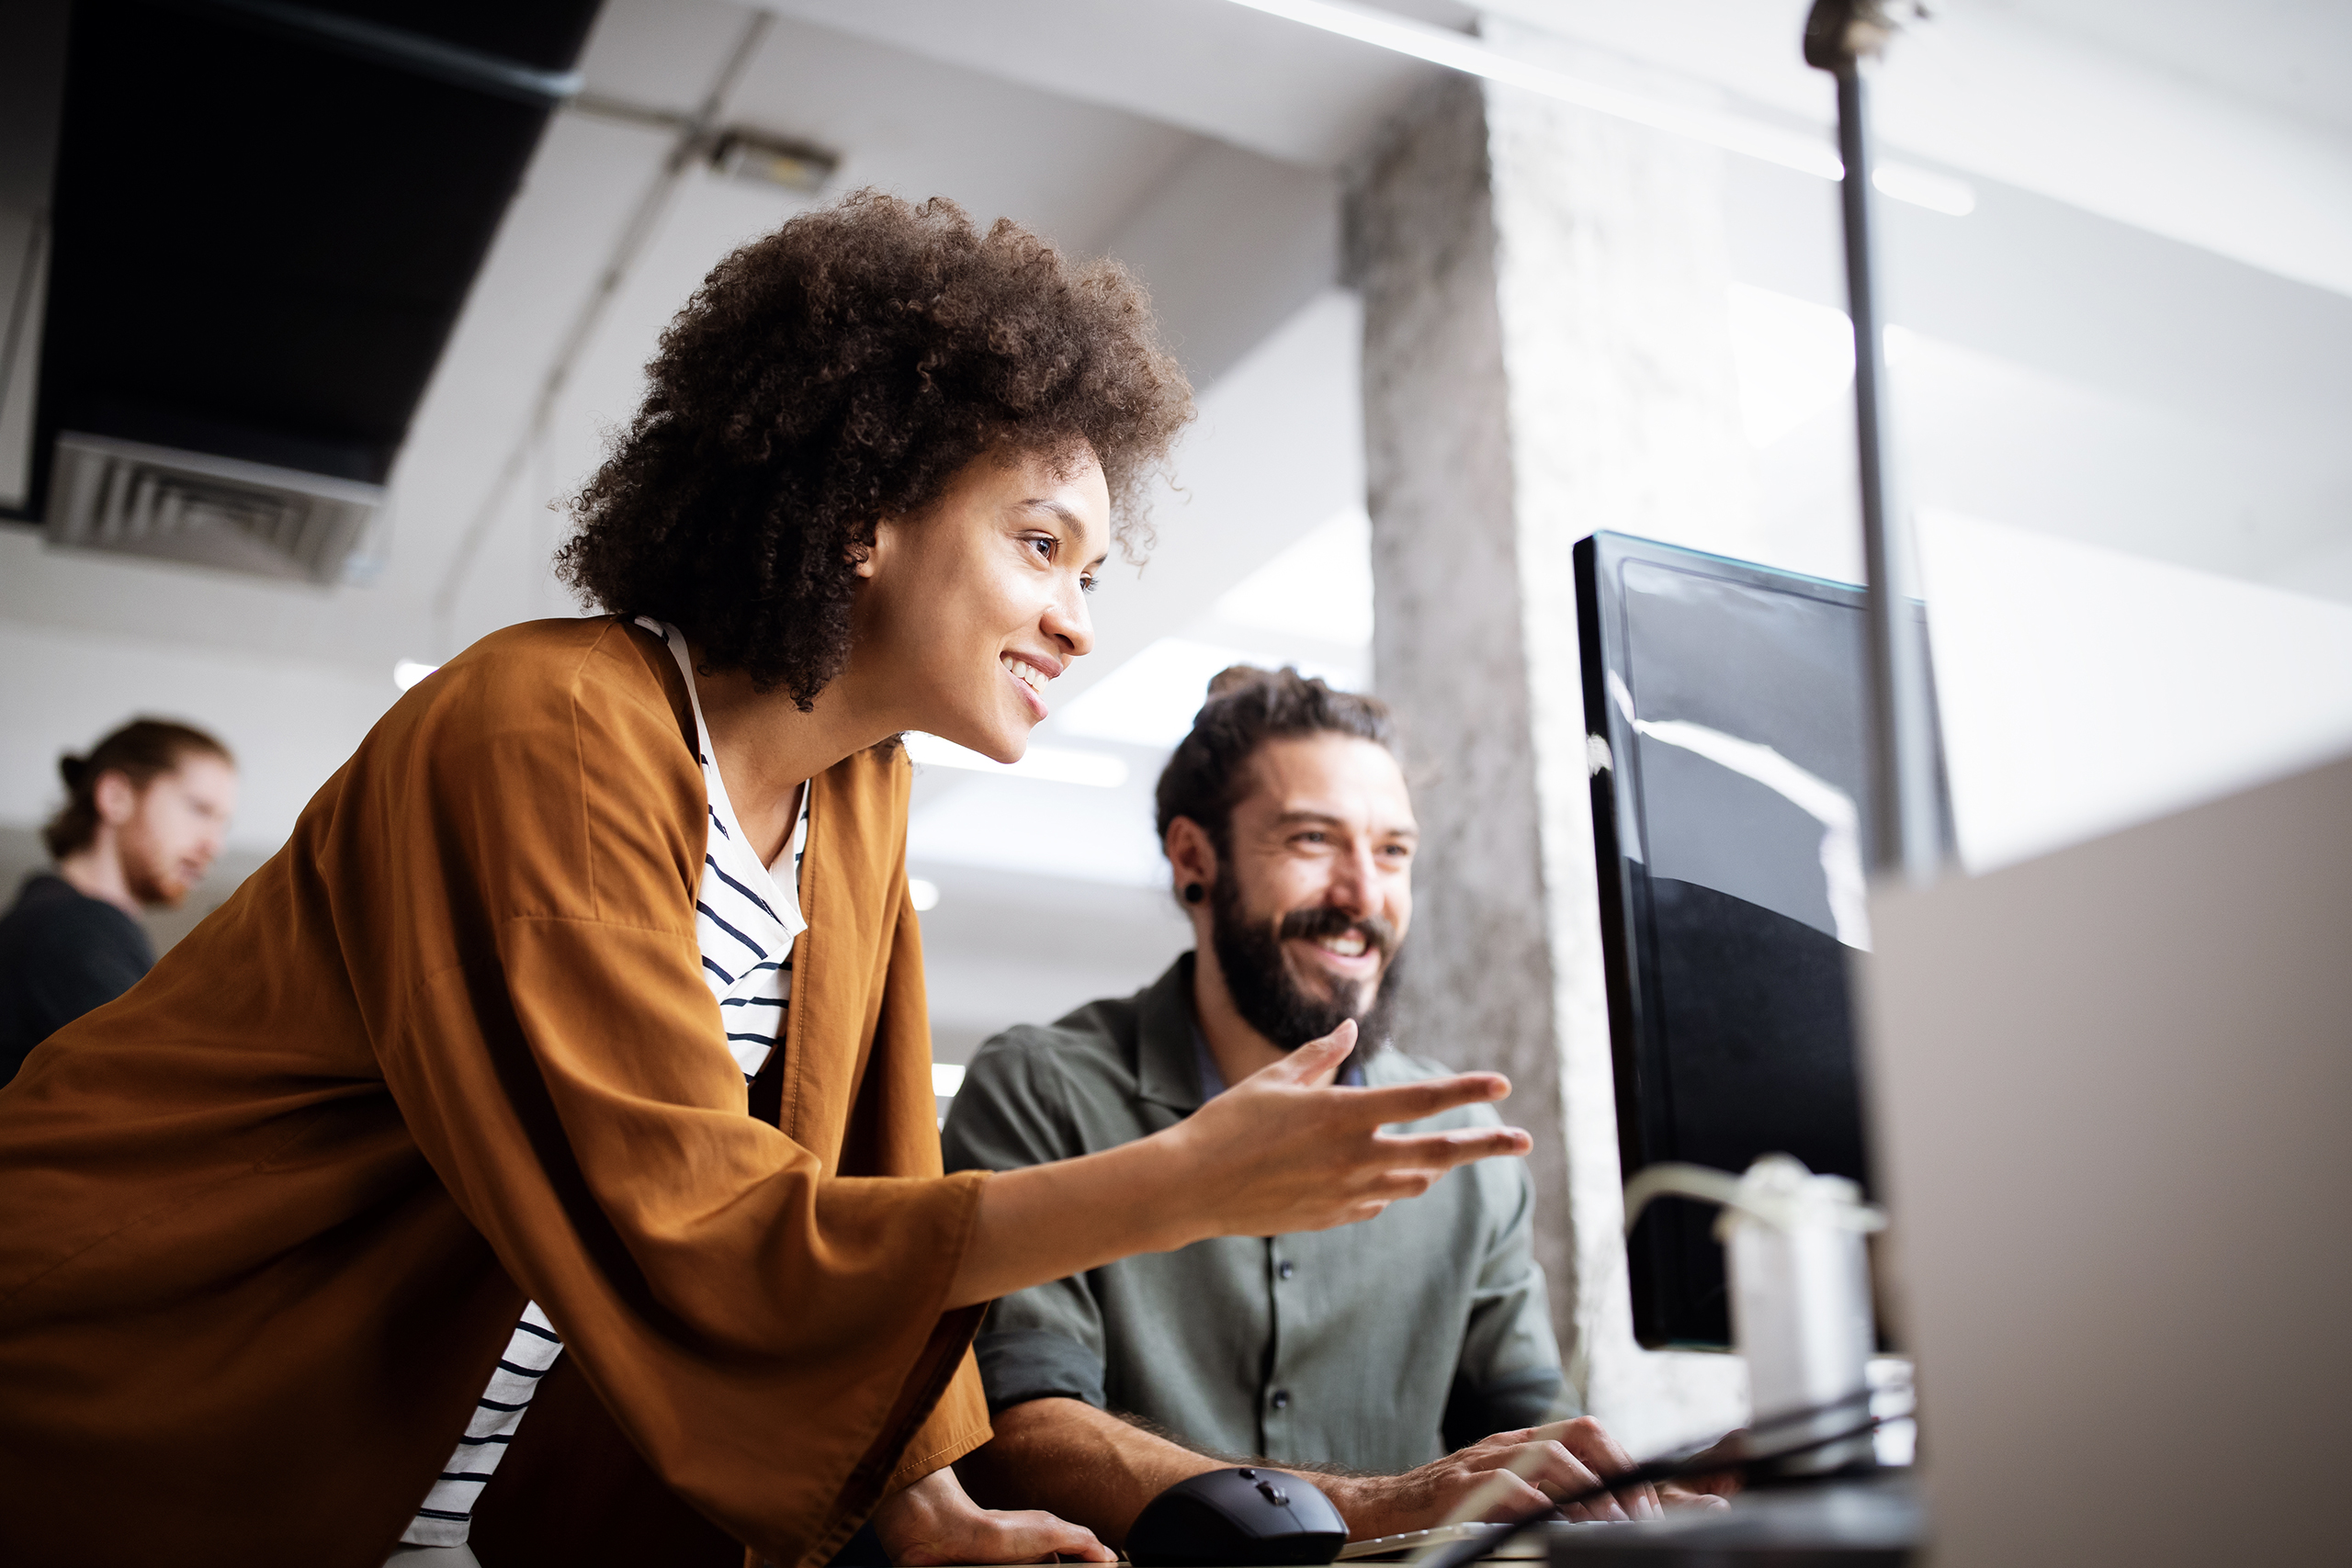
(107, 494)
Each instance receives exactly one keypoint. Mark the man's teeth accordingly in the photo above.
(1025, 672)
(1347, 945)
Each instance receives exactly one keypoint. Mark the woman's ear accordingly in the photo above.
(865, 554)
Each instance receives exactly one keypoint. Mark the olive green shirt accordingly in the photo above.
(1375, 1347)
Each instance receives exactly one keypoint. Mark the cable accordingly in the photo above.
(1461, 1553)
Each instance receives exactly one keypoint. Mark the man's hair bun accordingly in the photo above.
(73, 770)
(1234, 678)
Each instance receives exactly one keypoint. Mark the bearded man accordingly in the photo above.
(145, 814)
(1402, 1362)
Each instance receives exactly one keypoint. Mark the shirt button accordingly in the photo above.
(1281, 1399)
(1285, 1268)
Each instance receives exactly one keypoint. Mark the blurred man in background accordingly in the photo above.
(145, 814)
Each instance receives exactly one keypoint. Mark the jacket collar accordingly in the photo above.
(1166, 1071)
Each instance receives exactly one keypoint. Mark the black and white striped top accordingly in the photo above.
(746, 918)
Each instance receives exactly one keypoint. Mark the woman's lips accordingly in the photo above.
(1027, 679)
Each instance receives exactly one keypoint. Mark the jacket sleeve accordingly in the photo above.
(959, 1422)
(766, 1333)
(1046, 1341)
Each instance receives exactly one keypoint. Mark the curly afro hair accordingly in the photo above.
(841, 370)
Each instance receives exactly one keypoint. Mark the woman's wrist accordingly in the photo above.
(1168, 1175)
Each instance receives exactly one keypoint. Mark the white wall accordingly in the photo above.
(290, 724)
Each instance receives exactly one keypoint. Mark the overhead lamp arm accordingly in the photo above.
(1906, 815)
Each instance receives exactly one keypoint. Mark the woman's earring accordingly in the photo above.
(1193, 892)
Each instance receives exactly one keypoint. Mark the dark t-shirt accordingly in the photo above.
(61, 953)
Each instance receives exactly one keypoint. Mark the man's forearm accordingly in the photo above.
(1087, 1465)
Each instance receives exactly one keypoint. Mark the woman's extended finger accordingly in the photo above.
(1317, 1062)
(1441, 1151)
(1413, 1102)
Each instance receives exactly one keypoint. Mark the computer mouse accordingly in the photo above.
(1237, 1518)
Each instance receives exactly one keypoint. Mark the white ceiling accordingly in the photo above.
(1195, 137)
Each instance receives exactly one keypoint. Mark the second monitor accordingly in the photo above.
(1725, 707)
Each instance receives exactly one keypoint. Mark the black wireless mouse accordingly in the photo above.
(1237, 1518)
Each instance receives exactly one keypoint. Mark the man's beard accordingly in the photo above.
(1269, 997)
(148, 877)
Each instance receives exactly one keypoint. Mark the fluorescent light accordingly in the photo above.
(1050, 763)
(407, 673)
(1734, 133)
(1807, 151)
(947, 1078)
(922, 893)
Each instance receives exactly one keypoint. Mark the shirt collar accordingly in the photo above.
(1166, 1073)
(1173, 1064)
(1213, 1081)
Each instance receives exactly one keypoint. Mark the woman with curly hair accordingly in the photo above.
(442, 1118)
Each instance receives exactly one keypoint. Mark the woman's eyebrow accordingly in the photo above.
(1039, 503)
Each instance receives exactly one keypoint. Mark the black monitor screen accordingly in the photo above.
(1726, 708)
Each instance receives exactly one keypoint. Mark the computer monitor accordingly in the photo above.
(1725, 707)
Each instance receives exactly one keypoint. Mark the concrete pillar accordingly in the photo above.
(1546, 352)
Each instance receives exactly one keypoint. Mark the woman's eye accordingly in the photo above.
(1086, 583)
(1044, 544)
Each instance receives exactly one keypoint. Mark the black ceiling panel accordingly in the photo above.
(264, 230)
(545, 36)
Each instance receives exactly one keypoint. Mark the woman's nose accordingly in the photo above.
(1068, 622)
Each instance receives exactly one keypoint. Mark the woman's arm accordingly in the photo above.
(1280, 1151)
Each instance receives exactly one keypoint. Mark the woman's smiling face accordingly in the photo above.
(969, 608)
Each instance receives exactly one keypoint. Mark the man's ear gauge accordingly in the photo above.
(1194, 892)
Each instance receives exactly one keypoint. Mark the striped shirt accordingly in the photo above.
(746, 918)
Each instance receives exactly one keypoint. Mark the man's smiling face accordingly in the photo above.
(1314, 892)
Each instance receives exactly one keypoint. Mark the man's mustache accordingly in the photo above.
(1309, 925)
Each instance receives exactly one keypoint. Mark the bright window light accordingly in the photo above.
(1923, 188)
(407, 673)
(1807, 151)
(922, 893)
(1150, 699)
(1320, 587)
(1794, 358)
(1053, 764)
(947, 1078)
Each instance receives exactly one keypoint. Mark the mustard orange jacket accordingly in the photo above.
(266, 1222)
